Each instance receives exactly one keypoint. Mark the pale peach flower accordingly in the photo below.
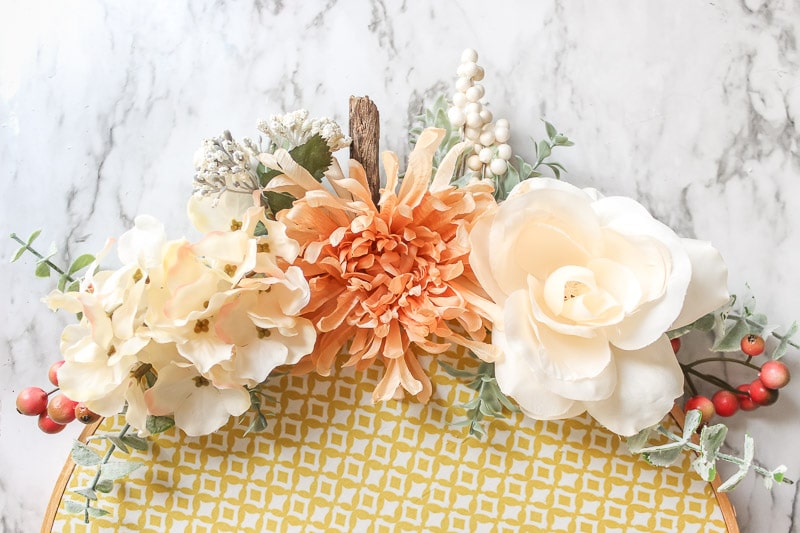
(385, 279)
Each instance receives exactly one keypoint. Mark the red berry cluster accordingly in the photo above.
(56, 412)
(762, 391)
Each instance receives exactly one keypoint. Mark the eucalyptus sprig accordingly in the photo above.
(490, 400)
(707, 449)
(44, 265)
(107, 471)
(257, 398)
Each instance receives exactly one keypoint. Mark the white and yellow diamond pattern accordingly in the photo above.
(332, 461)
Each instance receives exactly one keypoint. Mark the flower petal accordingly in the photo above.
(708, 289)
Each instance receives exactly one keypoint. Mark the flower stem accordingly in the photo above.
(748, 364)
(709, 378)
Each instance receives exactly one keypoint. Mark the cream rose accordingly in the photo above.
(587, 286)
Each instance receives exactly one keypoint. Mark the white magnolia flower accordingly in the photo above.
(589, 286)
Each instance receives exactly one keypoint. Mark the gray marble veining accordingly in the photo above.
(692, 108)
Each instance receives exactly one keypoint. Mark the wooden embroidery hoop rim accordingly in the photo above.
(365, 132)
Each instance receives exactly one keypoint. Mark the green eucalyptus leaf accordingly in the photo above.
(105, 486)
(783, 345)
(136, 442)
(259, 423)
(118, 469)
(551, 130)
(663, 457)
(691, 423)
(260, 230)
(158, 424)
(73, 507)
(83, 455)
(711, 439)
(731, 340)
(87, 493)
(33, 236)
(73, 287)
(119, 444)
(747, 461)
(94, 512)
(456, 373)
(637, 442)
(542, 152)
(62, 282)
(80, 263)
(42, 270)
(706, 469)
(18, 253)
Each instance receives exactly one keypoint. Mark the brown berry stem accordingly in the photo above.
(709, 378)
(746, 363)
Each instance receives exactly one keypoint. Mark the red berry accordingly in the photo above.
(774, 375)
(761, 394)
(31, 401)
(52, 374)
(676, 344)
(48, 425)
(725, 403)
(85, 415)
(61, 409)
(703, 403)
(746, 403)
(752, 345)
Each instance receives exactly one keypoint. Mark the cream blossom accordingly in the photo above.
(588, 286)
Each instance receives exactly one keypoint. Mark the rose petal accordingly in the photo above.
(648, 382)
(708, 289)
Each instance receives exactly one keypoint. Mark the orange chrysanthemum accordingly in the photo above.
(389, 277)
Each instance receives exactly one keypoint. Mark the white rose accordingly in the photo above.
(588, 286)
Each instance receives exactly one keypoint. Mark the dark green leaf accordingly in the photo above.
(136, 442)
(314, 156)
(80, 263)
(118, 469)
(158, 424)
(86, 492)
(42, 270)
(74, 507)
(258, 424)
(260, 230)
(278, 201)
(83, 455)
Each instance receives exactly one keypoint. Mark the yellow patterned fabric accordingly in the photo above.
(332, 461)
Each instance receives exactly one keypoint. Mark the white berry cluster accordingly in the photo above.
(295, 128)
(491, 151)
(222, 163)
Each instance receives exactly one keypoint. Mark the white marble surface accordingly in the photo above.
(693, 108)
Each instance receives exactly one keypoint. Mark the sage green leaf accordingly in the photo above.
(259, 423)
(33, 236)
(731, 340)
(663, 457)
(136, 442)
(118, 469)
(260, 230)
(551, 130)
(706, 469)
(62, 282)
(105, 486)
(637, 442)
(780, 350)
(711, 439)
(747, 461)
(454, 371)
(691, 423)
(81, 263)
(83, 455)
(73, 287)
(42, 270)
(94, 512)
(74, 507)
(118, 443)
(87, 493)
(158, 424)
(542, 152)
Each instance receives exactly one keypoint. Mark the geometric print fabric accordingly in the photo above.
(332, 461)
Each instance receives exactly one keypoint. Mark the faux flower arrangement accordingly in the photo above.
(574, 302)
